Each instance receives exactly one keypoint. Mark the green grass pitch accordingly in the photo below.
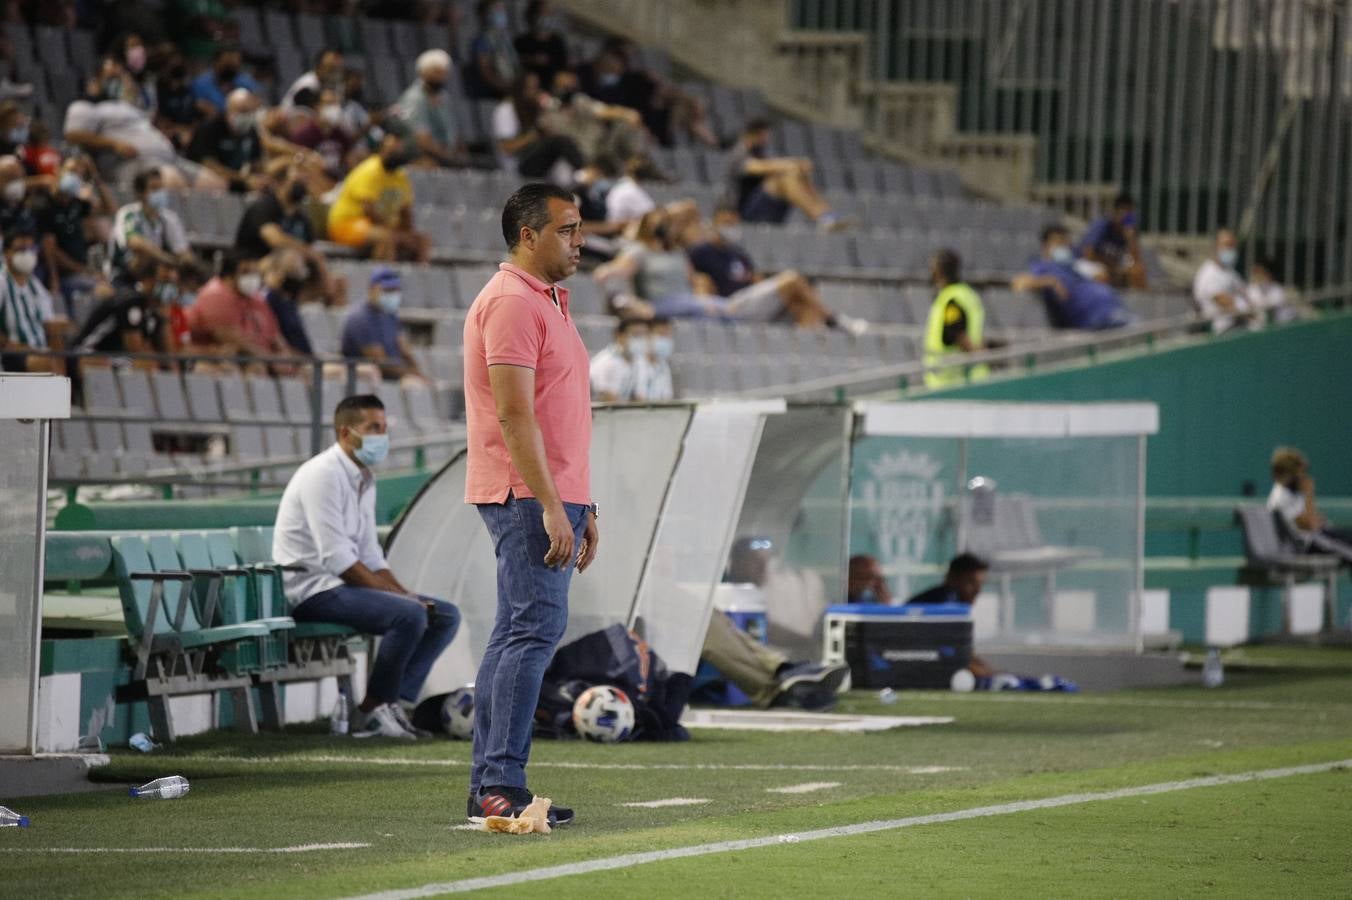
(1282, 837)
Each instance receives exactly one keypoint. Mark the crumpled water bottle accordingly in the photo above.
(170, 788)
(141, 741)
(10, 819)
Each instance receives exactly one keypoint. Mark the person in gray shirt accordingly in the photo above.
(425, 110)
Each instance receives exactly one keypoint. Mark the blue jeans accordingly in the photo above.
(531, 617)
(411, 643)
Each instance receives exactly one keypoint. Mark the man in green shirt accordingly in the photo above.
(955, 325)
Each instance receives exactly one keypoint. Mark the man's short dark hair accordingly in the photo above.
(232, 259)
(949, 265)
(528, 207)
(143, 177)
(1052, 231)
(16, 232)
(319, 57)
(966, 564)
(351, 410)
(659, 321)
(307, 98)
(624, 326)
(1123, 200)
(756, 125)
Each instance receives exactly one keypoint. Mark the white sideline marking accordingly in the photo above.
(777, 720)
(805, 788)
(633, 767)
(1083, 700)
(673, 801)
(629, 860)
(300, 848)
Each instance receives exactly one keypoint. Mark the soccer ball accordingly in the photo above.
(457, 713)
(604, 714)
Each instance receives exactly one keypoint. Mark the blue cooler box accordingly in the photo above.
(918, 646)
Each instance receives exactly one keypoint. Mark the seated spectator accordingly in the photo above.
(14, 125)
(28, 317)
(226, 74)
(373, 333)
(541, 49)
(955, 326)
(1111, 242)
(652, 378)
(356, 118)
(962, 584)
(1072, 300)
(127, 64)
(766, 674)
(335, 571)
(38, 155)
(284, 274)
(726, 269)
(1220, 294)
(277, 219)
(764, 188)
(866, 582)
(198, 27)
(426, 113)
(176, 112)
(135, 319)
(614, 370)
(1292, 499)
(230, 145)
(327, 75)
(147, 226)
(374, 209)
(16, 213)
(63, 217)
(123, 141)
(1266, 295)
(316, 123)
(230, 316)
(597, 128)
(627, 201)
(493, 66)
(523, 142)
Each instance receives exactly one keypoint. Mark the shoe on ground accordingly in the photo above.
(382, 722)
(830, 677)
(501, 800)
(401, 716)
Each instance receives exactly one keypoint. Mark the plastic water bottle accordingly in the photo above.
(170, 788)
(887, 696)
(338, 723)
(1213, 670)
(10, 819)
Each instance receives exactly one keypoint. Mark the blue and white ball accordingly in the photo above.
(604, 714)
(457, 713)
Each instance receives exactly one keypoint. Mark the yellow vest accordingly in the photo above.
(935, 350)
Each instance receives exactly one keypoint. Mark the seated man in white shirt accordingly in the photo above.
(1220, 294)
(615, 370)
(1292, 498)
(652, 377)
(336, 571)
(627, 201)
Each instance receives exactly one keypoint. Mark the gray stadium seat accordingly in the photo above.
(203, 399)
(171, 401)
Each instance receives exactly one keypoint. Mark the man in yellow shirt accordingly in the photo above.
(374, 209)
(955, 326)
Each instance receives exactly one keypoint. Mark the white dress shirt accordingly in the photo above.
(612, 372)
(1211, 280)
(325, 523)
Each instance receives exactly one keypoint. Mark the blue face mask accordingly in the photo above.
(498, 19)
(1228, 257)
(1063, 255)
(373, 450)
(390, 300)
(867, 595)
(662, 345)
(159, 199)
(70, 184)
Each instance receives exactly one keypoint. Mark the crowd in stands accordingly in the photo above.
(176, 100)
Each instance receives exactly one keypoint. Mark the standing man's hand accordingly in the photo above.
(590, 539)
(560, 532)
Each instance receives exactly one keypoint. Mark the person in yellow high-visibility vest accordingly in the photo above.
(955, 325)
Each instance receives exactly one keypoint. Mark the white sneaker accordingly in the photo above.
(852, 326)
(382, 722)
(401, 716)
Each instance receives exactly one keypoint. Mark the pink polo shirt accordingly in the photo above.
(514, 322)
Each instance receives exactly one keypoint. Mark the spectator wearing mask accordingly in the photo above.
(627, 201)
(230, 315)
(1292, 499)
(327, 75)
(230, 145)
(131, 55)
(38, 155)
(316, 123)
(866, 582)
(15, 212)
(148, 227)
(1267, 296)
(28, 317)
(524, 142)
(763, 188)
(374, 209)
(209, 90)
(1111, 242)
(956, 325)
(493, 64)
(962, 584)
(1072, 301)
(63, 217)
(615, 369)
(425, 111)
(14, 127)
(372, 333)
(176, 111)
(284, 276)
(1218, 290)
(541, 48)
(652, 381)
(356, 118)
(277, 220)
(135, 319)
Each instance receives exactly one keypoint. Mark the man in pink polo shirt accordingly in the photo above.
(528, 411)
